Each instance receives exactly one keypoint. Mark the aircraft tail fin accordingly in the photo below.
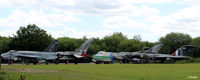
(178, 52)
(82, 50)
(52, 47)
(155, 48)
(183, 51)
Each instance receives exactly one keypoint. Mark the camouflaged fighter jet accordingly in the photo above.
(152, 54)
(126, 57)
(49, 54)
(121, 57)
(75, 56)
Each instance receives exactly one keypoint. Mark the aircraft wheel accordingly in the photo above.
(34, 63)
(172, 61)
(162, 61)
(47, 63)
(76, 62)
(96, 62)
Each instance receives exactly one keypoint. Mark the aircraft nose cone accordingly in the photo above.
(2, 55)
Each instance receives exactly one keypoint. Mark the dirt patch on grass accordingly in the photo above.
(28, 70)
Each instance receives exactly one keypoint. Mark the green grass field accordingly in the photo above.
(102, 72)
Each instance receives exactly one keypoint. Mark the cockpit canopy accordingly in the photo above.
(11, 51)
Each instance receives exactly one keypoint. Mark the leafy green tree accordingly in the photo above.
(110, 43)
(196, 51)
(173, 41)
(148, 44)
(31, 37)
(137, 37)
(4, 45)
(69, 44)
(129, 46)
(196, 41)
(95, 46)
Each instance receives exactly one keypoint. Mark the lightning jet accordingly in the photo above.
(48, 55)
(29, 56)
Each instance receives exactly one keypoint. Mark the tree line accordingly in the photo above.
(33, 38)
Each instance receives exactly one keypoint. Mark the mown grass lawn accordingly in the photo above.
(102, 72)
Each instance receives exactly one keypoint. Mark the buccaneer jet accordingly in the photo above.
(152, 55)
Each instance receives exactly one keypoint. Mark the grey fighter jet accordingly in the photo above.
(28, 56)
(49, 54)
(76, 56)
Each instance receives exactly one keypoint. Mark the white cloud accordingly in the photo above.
(21, 18)
(114, 8)
(71, 32)
(36, 3)
(185, 20)
(151, 1)
(192, 2)
(8, 32)
(121, 22)
(117, 14)
(40, 18)
(89, 7)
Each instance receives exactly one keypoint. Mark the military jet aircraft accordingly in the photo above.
(121, 57)
(152, 54)
(28, 56)
(77, 55)
(103, 57)
(126, 57)
(48, 55)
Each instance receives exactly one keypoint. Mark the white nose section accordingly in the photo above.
(78, 56)
(1, 55)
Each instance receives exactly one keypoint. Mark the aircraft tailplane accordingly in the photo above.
(155, 48)
(52, 47)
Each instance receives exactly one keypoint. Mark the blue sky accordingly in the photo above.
(151, 19)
